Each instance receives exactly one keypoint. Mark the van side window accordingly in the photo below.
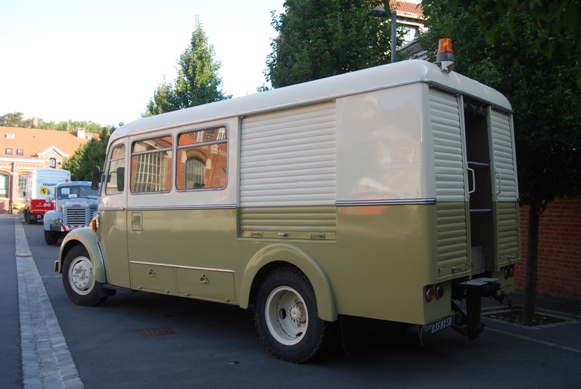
(151, 165)
(202, 159)
(115, 177)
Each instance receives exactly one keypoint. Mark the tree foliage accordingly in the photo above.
(16, 119)
(560, 19)
(321, 38)
(198, 81)
(91, 154)
(541, 89)
(70, 125)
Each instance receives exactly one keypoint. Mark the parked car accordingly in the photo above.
(75, 205)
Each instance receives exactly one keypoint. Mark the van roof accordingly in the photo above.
(376, 78)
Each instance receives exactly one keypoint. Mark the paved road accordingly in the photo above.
(212, 345)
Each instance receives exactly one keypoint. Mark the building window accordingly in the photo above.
(410, 33)
(19, 152)
(52, 163)
(8, 151)
(202, 159)
(22, 183)
(151, 165)
(3, 185)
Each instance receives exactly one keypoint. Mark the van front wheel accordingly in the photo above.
(286, 317)
(78, 279)
(51, 238)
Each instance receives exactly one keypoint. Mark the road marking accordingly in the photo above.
(540, 341)
(46, 360)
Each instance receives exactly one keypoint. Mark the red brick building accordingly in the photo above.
(559, 261)
(23, 150)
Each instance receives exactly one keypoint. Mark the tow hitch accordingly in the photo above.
(468, 323)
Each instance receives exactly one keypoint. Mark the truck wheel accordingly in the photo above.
(286, 317)
(78, 278)
(51, 238)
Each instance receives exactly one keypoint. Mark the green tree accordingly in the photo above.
(70, 125)
(321, 38)
(16, 119)
(561, 19)
(542, 91)
(198, 81)
(91, 154)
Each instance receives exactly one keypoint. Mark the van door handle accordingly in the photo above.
(471, 171)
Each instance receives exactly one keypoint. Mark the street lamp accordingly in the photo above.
(379, 12)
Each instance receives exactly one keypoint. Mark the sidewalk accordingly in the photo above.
(565, 335)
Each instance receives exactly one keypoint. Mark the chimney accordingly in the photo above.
(81, 133)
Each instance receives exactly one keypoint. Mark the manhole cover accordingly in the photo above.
(156, 331)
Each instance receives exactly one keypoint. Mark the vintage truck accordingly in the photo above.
(40, 191)
(75, 204)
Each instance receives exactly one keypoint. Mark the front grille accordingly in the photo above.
(75, 216)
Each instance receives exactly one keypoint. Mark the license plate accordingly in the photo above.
(438, 325)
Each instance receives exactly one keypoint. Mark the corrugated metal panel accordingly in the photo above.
(507, 233)
(502, 154)
(289, 157)
(452, 234)
(289, 222)
(448, 146)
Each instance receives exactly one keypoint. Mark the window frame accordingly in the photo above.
(221, 138)
(133, 169)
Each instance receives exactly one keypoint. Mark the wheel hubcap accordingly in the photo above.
(286, 315)
(81, 275)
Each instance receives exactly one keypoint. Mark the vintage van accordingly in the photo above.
(388, 193)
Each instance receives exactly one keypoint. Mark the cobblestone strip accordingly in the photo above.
(46, 360)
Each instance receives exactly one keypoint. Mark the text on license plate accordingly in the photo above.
(438, 325)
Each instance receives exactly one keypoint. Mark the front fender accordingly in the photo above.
(87, 238)
(293, 255)
(48, 216)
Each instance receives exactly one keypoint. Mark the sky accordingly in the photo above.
(101, 60)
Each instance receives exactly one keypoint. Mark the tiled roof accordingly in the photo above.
(34, 141)
(405, 6)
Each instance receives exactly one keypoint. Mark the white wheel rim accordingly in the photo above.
(81, 276)
(286, 315)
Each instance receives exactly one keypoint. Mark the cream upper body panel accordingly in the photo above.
(392, 162)
(380, 77)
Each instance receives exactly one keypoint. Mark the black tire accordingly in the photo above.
(51, 238)
(285, 315)
(78, 279)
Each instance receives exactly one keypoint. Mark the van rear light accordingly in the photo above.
(430, 293)
(434, 292)
(509, 272)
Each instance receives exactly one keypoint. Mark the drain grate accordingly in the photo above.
(156, 331)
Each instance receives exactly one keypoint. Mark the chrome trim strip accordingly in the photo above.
(182, 207)
(182, 267)
(359, 203)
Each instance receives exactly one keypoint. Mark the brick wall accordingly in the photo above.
(559, 262)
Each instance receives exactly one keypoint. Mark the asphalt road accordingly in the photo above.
(141, 340)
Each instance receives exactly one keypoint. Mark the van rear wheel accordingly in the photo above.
(286, 317)
(78, 279)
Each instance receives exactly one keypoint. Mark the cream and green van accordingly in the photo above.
(388, 193)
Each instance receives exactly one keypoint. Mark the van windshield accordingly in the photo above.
(73, 192)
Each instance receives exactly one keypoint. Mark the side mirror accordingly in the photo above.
(120, 179)
(96, 178)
